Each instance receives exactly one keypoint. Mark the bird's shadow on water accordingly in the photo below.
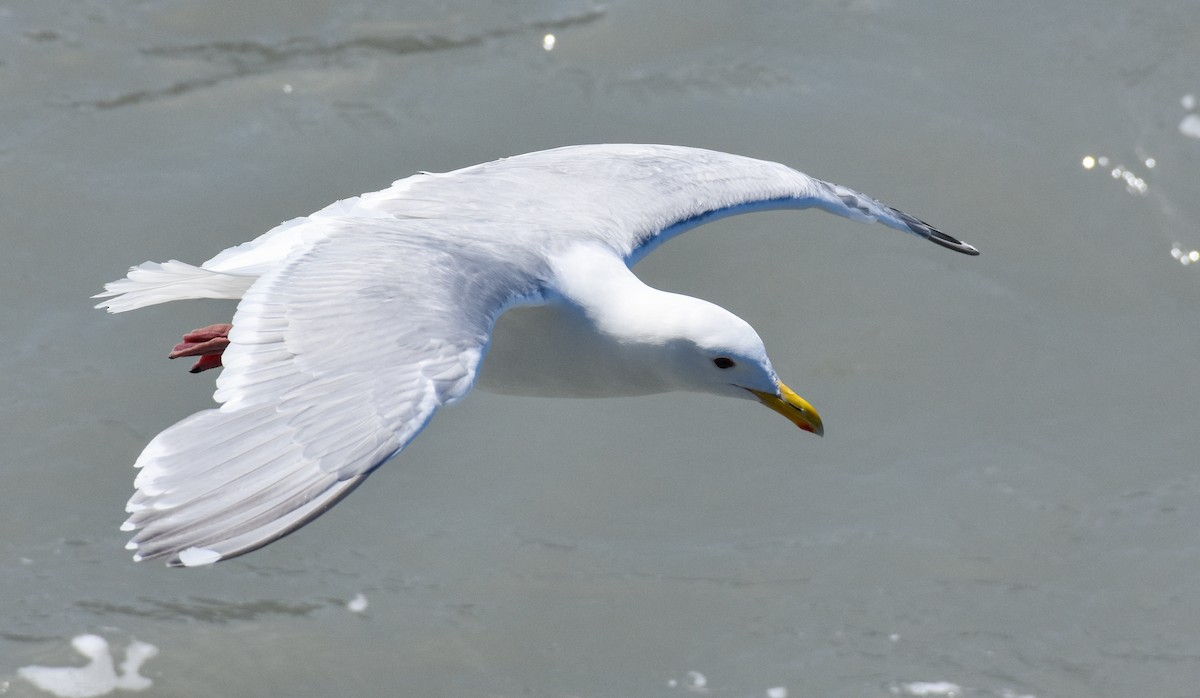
(205, 610)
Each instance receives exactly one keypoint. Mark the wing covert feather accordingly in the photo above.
(337, 359)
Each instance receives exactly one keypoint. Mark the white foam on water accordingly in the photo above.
(697, 682)
(929, 689)
(1190, 126)
(99, 676)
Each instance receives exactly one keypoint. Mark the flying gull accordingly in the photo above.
(356, 323)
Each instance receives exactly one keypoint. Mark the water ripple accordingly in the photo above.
(247, 58)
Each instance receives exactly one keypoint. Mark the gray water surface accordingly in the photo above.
(1008, 497)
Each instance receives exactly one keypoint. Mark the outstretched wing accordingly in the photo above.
(338, 358)
(632, 197)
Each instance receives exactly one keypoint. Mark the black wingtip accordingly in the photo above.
(940, 238)
(932, 234)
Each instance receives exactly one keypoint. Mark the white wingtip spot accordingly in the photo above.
(195, 557)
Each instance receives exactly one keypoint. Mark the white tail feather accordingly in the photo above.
(150, 283)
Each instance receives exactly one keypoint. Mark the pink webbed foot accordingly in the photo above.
(208, 343)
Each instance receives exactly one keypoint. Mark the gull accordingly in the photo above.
(356, 323)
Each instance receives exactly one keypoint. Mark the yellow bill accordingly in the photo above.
(794, 407)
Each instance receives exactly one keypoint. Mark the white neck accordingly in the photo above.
(602, 334)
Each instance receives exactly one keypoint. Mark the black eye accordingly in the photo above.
(723, 362)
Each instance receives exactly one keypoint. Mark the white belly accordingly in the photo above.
(554, 351)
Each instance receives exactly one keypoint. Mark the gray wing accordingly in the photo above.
(338, 359)
(630, 197)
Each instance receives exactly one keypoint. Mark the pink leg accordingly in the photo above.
(207, 342)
